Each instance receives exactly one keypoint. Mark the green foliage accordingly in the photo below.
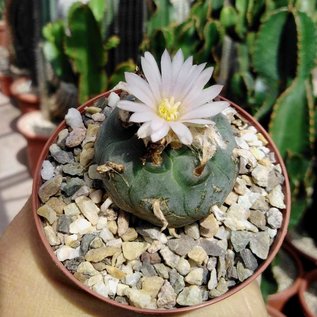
(78, 48)
(183, 196)
(264, 52)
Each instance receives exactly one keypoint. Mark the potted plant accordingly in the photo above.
(308, 294)
(268, 73)
(188, 230)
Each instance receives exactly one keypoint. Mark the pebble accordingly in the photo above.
(249, 260)
(132, 279)
(88, 208)
(170, 258)
(176, 280)
(183, 266)
(276, 197)
(81, 226)
(86, 156)
(209, 226)
(243, 273)
(86, 268)
(48, 213)
(75, 137)
(192, 230)
(97, 255)
(96, 196)
(66, 253)
(73, 169)
(63, 223)
(48, 170)
(153, 233)
(211, 247)
(72, 186)
(198, 255)
(129, 235)
(162, 270)
(166, 297)
(195, 276)
(51, 236)
(260, 244)
(212, 283)
(74, 119)
(274, 218)
(240, 239)
(181, 246)
(71, 210)
(61, 156)
(190, 296)
(133, 250)
(115, 272)
(106, 235)
(111, 284)
(140, 298)
(50, 188)
(258, 218)
(152, 285)
(123, 223)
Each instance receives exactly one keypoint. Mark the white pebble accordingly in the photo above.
(67, 253)
(73, 119)
(48, 170)
(81, 226)
(113, 99)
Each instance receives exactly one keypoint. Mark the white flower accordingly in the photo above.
(171, 99)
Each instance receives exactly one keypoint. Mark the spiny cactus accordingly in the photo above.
(170, 190)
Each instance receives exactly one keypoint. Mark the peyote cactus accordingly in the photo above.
(162, 180)
(264, 53)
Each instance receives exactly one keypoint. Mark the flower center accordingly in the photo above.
(168, 109)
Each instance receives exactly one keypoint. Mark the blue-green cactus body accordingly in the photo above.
(182, 196)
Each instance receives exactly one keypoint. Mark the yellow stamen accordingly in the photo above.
(168, 109)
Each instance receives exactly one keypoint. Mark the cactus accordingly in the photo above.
(172, 188)
(264, 53)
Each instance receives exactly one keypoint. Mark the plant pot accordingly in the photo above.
(309, 279)
(36, 131)
(26, 99)
(273, 312)
(278, 300)
(5, 84)
(4, 37)
(281, 232)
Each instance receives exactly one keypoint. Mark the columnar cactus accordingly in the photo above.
(171, 175)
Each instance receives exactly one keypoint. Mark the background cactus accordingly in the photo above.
(182, 196)
(264, 53)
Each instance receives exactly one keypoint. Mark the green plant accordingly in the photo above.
(78, 49)
(264, 53)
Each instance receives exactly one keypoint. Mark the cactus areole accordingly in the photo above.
(166, 182)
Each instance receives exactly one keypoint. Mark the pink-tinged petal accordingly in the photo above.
(177, 64)
(182, 132)
(160, 133)
(144, 130)
(166, 70)
(142, 116)
(133, 106)
(152, 74)
(139, 88)
(194, 100)
(198, 121)
(205, 111)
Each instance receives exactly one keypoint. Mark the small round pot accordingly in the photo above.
(306, 281)
(35, 140)
(27, 101)
(276, 245)
(278, 300)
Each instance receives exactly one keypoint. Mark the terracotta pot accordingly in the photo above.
(5, 84)
(35, 141)
(278, 300)
(273, 250)
(308, 278)
(27, 101)
(4, 36)
(273, 312)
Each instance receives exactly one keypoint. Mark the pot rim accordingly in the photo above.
(278, 240)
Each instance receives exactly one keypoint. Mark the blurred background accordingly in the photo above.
(57, 54)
